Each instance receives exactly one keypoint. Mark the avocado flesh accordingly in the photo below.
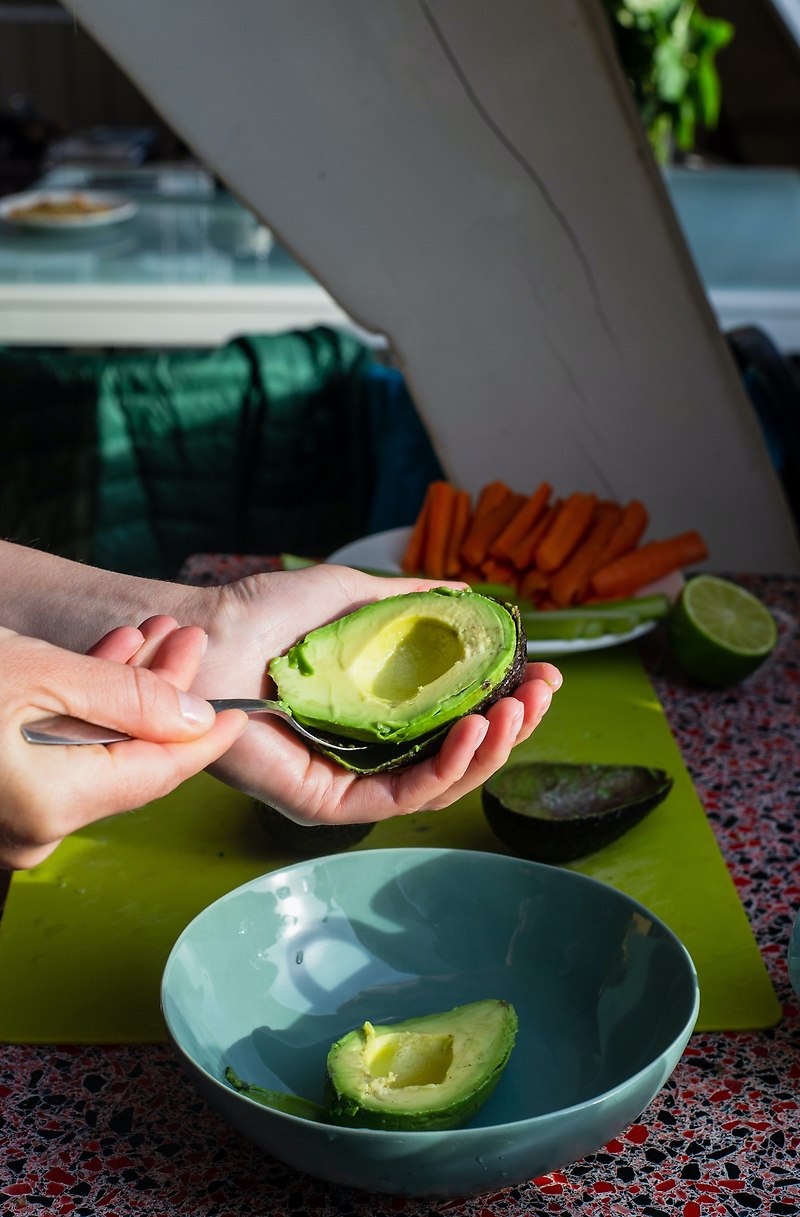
(398, 672)
(432, 1072)
(557, 811)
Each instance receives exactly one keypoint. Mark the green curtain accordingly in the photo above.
(134, 460)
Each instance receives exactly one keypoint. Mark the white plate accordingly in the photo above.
(17, 209)
(383, 550)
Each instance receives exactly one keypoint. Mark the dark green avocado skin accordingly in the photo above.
(383, 758)
(560, 812)
(308, 840)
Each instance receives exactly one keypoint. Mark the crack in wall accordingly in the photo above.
(524, 164)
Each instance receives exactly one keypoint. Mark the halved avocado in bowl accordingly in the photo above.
(555, 812)
(396, 674)
(426, 1073)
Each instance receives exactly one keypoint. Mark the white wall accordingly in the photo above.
(469, 177)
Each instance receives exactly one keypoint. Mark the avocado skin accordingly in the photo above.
(578, 831)
(278, 1100)
(307, 839)
(345, 1108)
(385, 758)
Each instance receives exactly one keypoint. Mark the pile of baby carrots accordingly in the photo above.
(552, 551)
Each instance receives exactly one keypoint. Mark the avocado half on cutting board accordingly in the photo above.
(553, 811)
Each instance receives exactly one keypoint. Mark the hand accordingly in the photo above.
(259, 617)
(47, 792)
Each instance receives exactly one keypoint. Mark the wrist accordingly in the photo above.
(72, 605)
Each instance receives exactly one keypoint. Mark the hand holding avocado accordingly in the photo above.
(247, 624)
(252, 622)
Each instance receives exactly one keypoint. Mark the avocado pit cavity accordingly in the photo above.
(424, 1073)
(404, 658)
(405, 1059)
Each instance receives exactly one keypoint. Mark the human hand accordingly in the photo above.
(259, 617)
(132, 680)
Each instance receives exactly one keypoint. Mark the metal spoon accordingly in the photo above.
(61, 729)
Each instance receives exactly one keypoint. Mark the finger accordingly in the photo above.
(178, 657)
(467, 759)
(118, 645)
(535, 696)
(155, 630)
(121, 777)
(463, 763)
(384, 586)
(546, 672)
(131, 699)
(141, 771)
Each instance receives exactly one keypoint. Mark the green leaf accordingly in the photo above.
(668, 49)
(672, 75)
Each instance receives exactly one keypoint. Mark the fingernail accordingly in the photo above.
(194, 709)
(204, 645)
(482, 736)
(545, 707)
(555, 682)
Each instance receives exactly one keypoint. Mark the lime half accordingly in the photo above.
(719, 632)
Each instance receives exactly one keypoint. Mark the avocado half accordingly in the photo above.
(426, 1073)
(398, 673)
(557, 811)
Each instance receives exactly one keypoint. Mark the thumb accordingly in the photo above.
(136, 701)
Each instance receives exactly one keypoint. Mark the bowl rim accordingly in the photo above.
(430, 852)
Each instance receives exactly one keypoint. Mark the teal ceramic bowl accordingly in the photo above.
(270, 975)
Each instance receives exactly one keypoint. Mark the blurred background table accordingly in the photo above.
(742, 226)
(191, 268)
(194, 268)
(118, 1129)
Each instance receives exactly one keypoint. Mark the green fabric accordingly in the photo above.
(132, 461)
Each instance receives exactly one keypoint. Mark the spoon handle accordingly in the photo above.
(63, 729)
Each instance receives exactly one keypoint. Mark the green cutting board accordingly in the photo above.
(85, 935)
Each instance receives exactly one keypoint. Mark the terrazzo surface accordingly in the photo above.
(118, 1131)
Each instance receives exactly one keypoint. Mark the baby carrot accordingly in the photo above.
(440, 516)
(534, 583)
(486, 523)
(638, 567)
(520, 524)
(569, 583)
(458, 529)
(524, 551)
(570, 523)
(627, 534)
(411, 561)
(494, 570)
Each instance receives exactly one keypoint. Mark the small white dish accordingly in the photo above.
(61, 210)
(382, 551)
